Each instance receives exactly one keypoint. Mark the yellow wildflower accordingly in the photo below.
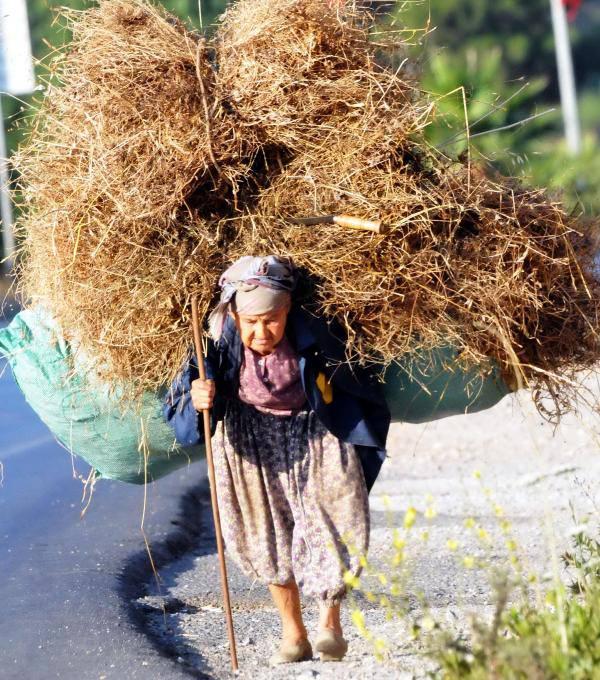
(427, 623)
(379, 645)
(398, 559)
(482, 534)
(358, 620)
(399, 543)
(410, 517)
(351, 580)
(384, 601)
(430, 512)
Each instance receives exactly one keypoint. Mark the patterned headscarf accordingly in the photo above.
(253, 285)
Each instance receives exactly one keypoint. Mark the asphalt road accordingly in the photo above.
(67, 583)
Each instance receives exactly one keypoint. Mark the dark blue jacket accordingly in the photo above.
(347, 399)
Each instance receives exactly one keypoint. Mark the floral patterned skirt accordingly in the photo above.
(292, 499)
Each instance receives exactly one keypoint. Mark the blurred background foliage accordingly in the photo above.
(49, 33)
(501, 52)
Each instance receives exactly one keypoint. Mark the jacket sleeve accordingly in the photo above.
(178, 409)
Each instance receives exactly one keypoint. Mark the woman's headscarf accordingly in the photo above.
(253, 285)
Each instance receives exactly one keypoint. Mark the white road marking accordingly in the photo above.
(7, 453)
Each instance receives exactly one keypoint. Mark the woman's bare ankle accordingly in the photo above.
(329, 618)
(293, 636)
(287, 599)
(336, 628)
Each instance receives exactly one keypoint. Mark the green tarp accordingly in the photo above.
(429, 385)
(135, 444)
(84, 416)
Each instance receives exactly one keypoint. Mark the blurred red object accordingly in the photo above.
(572, 7)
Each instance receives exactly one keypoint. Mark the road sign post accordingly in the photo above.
(566, 77)
(6, 215)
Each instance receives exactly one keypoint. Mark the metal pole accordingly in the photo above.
(5, 200)
(566, 77)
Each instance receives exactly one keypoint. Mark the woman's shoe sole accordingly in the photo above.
(330, 657)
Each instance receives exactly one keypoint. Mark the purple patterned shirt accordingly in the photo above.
(272, 383)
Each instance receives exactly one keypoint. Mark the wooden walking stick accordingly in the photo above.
(213, 489)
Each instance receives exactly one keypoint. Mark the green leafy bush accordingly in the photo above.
(495, 108)
(509, 128)
(522, 29)
(576, 179)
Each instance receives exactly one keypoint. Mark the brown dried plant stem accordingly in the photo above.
(213, 490)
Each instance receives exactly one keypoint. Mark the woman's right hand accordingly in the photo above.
(203, 394)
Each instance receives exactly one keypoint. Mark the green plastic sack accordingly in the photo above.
(132, 445)
(90, 421)
(429, 385)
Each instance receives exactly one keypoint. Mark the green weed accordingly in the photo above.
(548, 631)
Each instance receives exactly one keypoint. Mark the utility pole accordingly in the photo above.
(16, 78)
(566, 76)
(6, 214)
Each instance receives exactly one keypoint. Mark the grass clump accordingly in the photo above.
(556, 639)
(543, 628)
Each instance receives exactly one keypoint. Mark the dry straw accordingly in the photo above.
(158, 157)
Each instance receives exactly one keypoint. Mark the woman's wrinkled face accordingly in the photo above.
(262, 332)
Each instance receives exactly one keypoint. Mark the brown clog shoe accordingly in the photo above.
(290, 652)
(331, 646)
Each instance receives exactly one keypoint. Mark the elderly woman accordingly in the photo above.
(300, 440)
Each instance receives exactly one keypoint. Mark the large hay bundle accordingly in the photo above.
(527, 304)
(160, 158)
(293, 72)
(118, 147)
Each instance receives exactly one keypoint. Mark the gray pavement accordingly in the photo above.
(67, 584)
(534, 473)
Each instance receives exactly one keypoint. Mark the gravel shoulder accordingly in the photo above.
(538, 477)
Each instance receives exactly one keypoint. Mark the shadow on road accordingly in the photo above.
(192, 530)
